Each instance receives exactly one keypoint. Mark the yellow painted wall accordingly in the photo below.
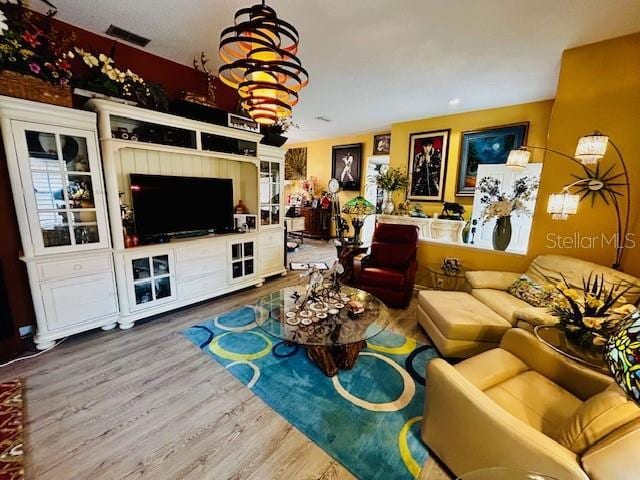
(319, 160)
(599, 88)
(536, 113)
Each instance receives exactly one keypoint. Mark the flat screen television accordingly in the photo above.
(166, 205)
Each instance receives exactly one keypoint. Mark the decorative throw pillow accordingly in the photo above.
(530, 292)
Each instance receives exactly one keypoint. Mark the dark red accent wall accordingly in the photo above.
(173, 76)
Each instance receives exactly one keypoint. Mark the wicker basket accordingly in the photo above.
(15, 84)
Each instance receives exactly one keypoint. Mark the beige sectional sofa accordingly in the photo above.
(490, 287)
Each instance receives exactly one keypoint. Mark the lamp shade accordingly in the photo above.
(622, 353)
(359, 207)
(518, 159)
(561, 205)
(259, 60)
(591, 148)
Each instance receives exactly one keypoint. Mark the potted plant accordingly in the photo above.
(274, 134)
(390, 180)
(34, 57)
(591, 315)
(501, 205)
(106, 80)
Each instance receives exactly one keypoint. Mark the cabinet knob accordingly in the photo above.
(77, 266)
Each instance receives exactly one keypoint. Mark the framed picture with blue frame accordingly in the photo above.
(488, 146)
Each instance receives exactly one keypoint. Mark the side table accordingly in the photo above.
(440, 279)
(556, 339)
(346, 253)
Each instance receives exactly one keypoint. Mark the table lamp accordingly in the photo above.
(623, 356)
(358, 209)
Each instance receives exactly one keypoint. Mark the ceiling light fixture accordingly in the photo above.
(260, 62)
(454, 101)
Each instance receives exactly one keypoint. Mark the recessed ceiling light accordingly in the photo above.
(454, 101)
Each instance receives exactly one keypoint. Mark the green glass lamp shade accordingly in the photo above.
(623, 356)
(359, 207)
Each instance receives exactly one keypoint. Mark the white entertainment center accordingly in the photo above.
(68, 200)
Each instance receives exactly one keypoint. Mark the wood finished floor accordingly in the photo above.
(146, 404)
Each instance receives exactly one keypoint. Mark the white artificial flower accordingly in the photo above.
(3, 23)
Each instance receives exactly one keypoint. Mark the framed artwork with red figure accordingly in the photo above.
(428, 156)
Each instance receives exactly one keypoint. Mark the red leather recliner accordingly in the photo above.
(389, 271)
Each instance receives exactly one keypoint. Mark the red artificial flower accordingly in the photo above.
(34, 67)
(31, 39)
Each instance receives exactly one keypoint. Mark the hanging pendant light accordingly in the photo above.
(591, 148)
(260, 62)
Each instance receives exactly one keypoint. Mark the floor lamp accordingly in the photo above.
(596, 183)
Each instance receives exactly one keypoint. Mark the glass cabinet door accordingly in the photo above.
(242, 260)
(151, 279)
(270, 191)
(61, 170)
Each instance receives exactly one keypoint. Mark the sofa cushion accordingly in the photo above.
(547, 268)
(530, 292)
(534, 316)
(383, 277)
(535, 400)
(491, 279)
(503, 303)
(460, 316)
(490, 368)
(597, 417)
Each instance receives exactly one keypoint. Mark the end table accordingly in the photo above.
(441, 279)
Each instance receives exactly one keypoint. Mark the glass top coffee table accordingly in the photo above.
(330, 335)
(555, 338)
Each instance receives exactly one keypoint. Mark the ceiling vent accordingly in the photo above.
(127, 36)
(322, 118)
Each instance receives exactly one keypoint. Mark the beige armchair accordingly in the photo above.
(525, 406)
(490, 287)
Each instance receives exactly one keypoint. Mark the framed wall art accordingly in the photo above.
(346, 165)
(295, 164)
(428, 152)
(488, 146)
(382, 144)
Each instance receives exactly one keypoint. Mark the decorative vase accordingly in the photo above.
(502, 233)
(388, 206)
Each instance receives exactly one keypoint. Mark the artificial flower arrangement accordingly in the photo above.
(500, 204)
(33, 49)
(591, 315)
(392, 179)
(310, 185)
(108, 79)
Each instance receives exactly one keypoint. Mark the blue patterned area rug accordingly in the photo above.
(367, 418)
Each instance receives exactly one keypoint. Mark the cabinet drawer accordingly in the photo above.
(201, 266)
(79, 300)
(74, 268)
(271, 257)
(200, 286)
(194, 253)
(272, 238)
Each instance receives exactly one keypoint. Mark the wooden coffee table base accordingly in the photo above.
(332, 359)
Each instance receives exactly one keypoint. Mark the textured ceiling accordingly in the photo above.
(375, 62)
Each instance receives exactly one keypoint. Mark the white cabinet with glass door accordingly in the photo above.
(57, 185)
(243, 260)
(62, 187)
(270, 192)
